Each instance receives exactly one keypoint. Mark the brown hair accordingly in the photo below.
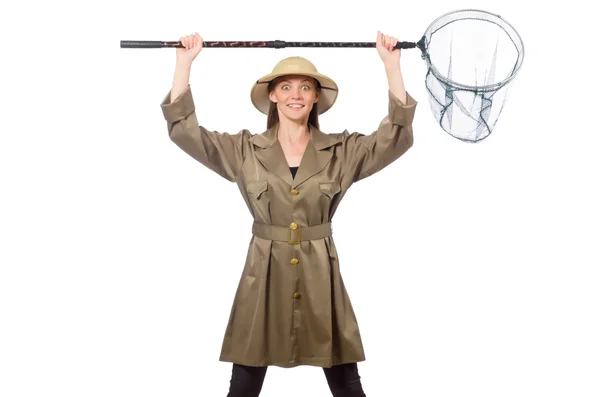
(273, 115)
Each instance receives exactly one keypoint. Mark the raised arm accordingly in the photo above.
(181, 79)
(220, 152)
(367, 154)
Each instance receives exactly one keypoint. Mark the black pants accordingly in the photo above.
(343, 381)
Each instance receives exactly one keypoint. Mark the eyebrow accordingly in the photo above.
(288, 81)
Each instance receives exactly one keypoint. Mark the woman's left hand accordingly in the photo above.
(385, 47)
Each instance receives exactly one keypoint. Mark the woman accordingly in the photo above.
(291, 307)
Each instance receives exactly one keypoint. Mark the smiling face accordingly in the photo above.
(295, 97)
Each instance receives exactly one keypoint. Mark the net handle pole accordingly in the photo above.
(261, 44)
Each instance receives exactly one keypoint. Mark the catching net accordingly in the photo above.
(472, 57)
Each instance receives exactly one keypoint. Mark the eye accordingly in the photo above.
(306, 86)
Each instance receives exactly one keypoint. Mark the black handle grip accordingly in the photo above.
(142, 44)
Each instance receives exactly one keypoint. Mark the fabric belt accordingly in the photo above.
(293, 233)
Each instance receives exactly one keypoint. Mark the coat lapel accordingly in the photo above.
(270, 154)
(316, 156)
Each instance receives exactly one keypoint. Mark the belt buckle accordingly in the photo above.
(295, 242)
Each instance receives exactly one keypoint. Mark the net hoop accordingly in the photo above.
(454, 16)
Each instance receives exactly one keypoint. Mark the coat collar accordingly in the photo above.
(270, 153)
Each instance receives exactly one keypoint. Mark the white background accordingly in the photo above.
(120, 255)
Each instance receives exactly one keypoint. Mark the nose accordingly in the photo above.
(296, 92)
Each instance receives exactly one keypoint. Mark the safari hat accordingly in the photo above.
(298, 66)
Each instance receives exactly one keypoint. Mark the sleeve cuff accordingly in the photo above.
(401, 114)
(181, 108)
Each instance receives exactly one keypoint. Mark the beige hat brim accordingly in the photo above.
(260, 96)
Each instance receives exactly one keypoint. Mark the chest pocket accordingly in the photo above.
(258, 193)
(330, 189)
(257, 188)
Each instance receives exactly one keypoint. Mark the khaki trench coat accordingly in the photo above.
(291, 307)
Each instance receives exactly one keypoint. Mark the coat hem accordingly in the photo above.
(302, 361)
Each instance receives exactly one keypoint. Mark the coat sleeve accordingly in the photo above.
(219, 151)
(364, 155)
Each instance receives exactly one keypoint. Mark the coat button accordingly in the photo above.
(294, 261)
(296, 295)
(294, 192)
(293, 226)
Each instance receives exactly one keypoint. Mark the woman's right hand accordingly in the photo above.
(192, 45)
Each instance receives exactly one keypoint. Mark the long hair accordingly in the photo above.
(273, 116)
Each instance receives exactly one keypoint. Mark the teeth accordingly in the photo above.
(295, 106)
